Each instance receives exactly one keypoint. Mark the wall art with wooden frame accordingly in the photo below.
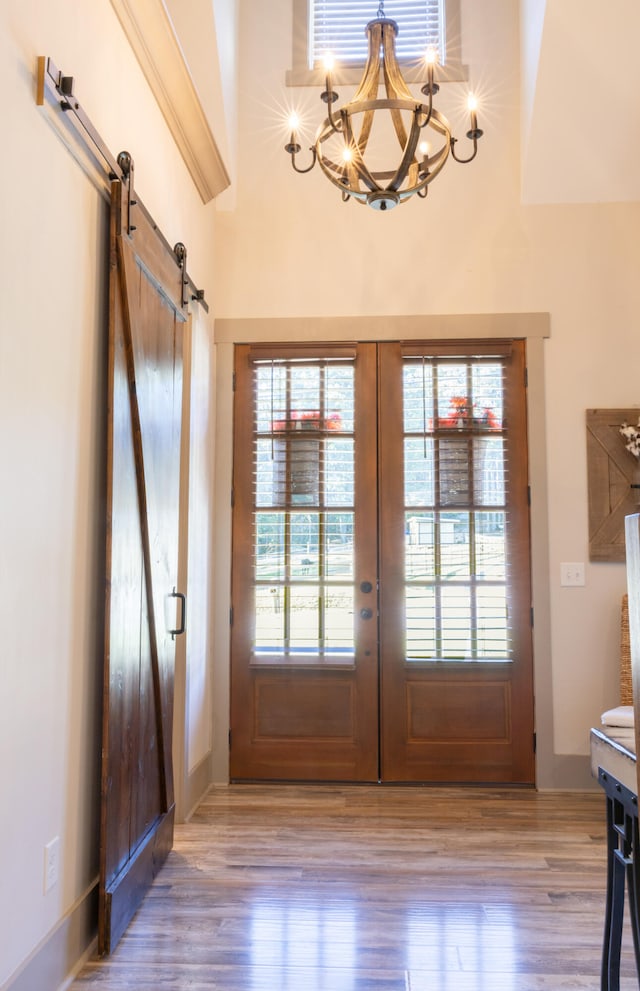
(613, 481)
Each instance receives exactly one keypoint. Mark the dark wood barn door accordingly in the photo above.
(144, 611)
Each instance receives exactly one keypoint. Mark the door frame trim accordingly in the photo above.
(553, 771)
(275, 330)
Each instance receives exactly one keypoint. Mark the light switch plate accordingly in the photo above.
(572, 574)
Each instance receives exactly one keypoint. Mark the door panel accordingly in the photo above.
(304, 675)
(145, 381)
(456, 662)
(381, 625)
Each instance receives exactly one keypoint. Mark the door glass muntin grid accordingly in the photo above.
(455, 482)
(304, 511)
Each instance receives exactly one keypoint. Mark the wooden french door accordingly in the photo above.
(305, 669)
(456, 687)
(381, 579)
(144, 612)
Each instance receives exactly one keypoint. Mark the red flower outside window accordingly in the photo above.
(466, 414)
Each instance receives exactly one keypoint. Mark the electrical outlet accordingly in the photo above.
(572, 574)
(51, 863)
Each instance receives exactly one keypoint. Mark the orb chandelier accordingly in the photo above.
(346, 147)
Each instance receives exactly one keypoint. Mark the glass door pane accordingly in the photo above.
(455, 488)
(303, 531)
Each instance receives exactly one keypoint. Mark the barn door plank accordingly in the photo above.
(145, 397)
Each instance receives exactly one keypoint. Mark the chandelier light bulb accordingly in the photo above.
(472, 105)
(328, 96)
(347, 155)
(431, 56)
(292, 147)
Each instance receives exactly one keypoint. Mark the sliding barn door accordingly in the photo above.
(144, 611)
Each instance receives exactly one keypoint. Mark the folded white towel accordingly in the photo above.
(623, 737)
(621, 733)
(622, 715)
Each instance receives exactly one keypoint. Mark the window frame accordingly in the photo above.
(301, 75)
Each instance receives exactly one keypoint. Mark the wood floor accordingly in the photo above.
(314, 888)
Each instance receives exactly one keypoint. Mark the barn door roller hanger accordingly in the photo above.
(50, 79)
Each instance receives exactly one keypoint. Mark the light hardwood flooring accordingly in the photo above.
(314, 888)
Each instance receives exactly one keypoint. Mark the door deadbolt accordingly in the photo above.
(366, 587)
(366, 613)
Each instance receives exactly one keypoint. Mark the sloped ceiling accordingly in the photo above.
(160, 51)
(206, 32)
(580, 101)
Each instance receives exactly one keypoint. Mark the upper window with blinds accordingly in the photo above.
(338, 27)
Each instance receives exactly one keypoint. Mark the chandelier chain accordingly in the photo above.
(380, 9)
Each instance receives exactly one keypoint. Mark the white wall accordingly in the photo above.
(192, 730)
(52, 369)
(570, 97)
(293, 249)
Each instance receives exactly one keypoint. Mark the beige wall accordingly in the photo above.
(288, 249)
(52, 398)
(192, 730)
(292, 249)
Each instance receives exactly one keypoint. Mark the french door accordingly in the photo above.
(381, 599)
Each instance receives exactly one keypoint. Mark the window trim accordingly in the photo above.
(301, 75)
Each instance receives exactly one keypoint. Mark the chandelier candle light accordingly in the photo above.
(341, 155)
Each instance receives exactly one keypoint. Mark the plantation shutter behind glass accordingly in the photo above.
(304, 509)
(456, 483)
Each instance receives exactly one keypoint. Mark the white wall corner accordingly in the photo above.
(154, 41)
(531, 25)
(565, 107)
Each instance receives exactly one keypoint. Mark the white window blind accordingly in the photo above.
(456, 510)
(338, 26)
(304, 462)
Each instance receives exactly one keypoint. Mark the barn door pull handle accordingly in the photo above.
(183, 614)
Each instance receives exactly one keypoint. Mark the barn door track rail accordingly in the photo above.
(50, 80)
